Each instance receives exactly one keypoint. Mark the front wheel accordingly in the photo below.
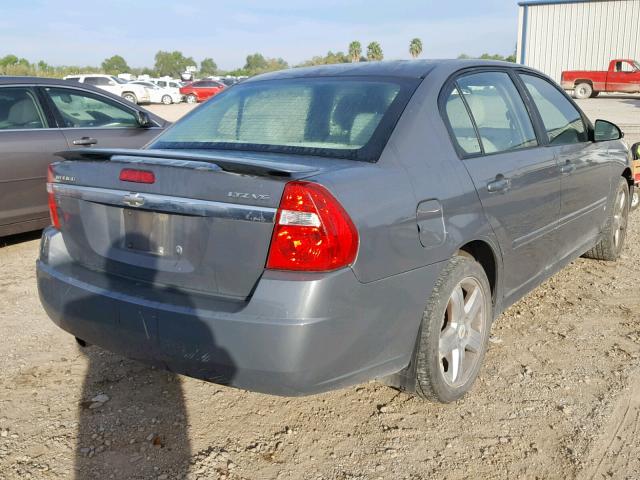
(454, 332)
(582, 90)
(635, 199)
(166, 99)
(130, 97)
(615, 231)
(192, 99)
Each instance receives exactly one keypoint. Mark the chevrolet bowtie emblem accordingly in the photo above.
(133, 200)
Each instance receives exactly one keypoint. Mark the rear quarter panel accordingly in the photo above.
(572, 77)
(418, 164)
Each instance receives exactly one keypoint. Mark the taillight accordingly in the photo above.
(312, 232)
(53, 208)
(637, 177)
(137, 176)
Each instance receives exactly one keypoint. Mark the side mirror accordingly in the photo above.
(143, 119)
(635, 151)
(605, 131)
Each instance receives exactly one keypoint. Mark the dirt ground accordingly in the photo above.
(558, 398)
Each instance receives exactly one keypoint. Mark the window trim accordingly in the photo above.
(41, 107)
(453, 80)
(588, 126)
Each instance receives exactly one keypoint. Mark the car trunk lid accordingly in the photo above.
(204, 224)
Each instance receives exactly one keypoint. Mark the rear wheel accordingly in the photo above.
(130, 97)
(582, 90)
(192, 99)
(615, 231)
(166, 99)
(635, 199)
(454, 332)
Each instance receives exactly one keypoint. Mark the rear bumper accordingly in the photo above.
(296, 335)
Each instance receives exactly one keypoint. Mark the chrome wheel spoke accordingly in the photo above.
(457, 307)
(474, 343)
(472, 306)
(448, 342)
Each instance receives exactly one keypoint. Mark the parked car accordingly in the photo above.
(314, 228)
(622, 76)
(40, 116)
(167, 83)
(158, 94)
(129, 91)
(635, 166)
(201, 90)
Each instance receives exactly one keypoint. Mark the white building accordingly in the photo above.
(557, 35)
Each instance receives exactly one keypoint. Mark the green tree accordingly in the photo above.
(415, 47)
(374, 51)
(115, 65)
(208, 67)
(355, 51)
(329, 59)
(172, 63)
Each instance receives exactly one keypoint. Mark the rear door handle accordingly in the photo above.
(85, 141)
(567, 168)
(500, 184)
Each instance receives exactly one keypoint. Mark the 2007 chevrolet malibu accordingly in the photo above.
(314, 228)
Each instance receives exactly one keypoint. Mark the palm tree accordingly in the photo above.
(415, 47)
(374, 51)
(355, 50)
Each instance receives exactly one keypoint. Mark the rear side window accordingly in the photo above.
(562, 121)
(498, 110)
(19, 110)
(460, 122)
(321, 116)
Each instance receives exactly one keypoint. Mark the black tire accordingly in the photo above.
(582, 90)
(166, 99)
(430, 365)
(610, 245)
(594, 94)
(130, 97)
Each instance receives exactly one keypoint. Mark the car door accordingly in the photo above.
(87, 118)
(583, 164)
(27, 147)
(518, 183)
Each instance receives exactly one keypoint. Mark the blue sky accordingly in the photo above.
(85, 32)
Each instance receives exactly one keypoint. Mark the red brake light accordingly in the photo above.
(637, 177)
(53, 208)
(312, 232)
(137, 176)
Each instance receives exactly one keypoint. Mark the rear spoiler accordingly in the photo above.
(217, 160)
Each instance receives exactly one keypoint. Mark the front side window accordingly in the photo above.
(19, 110)
(460, 122)
(320, 116)
(562, 121)
(83, 110)
(499, 112)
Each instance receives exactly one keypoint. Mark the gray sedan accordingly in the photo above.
(314, 228)
(39, 117)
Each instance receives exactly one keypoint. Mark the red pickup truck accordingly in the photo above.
(623, 76)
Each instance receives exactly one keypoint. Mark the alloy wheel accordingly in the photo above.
(462, 333)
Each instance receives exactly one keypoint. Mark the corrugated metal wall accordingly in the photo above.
(577, 36)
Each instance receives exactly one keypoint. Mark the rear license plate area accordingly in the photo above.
(149, 232)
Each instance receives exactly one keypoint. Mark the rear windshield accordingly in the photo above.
(344, 117)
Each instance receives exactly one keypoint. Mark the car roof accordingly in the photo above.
(416, 69)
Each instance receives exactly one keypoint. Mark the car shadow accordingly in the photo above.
(20, 238)
(132, 418)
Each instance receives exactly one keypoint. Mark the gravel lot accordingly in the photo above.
(559, 396)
